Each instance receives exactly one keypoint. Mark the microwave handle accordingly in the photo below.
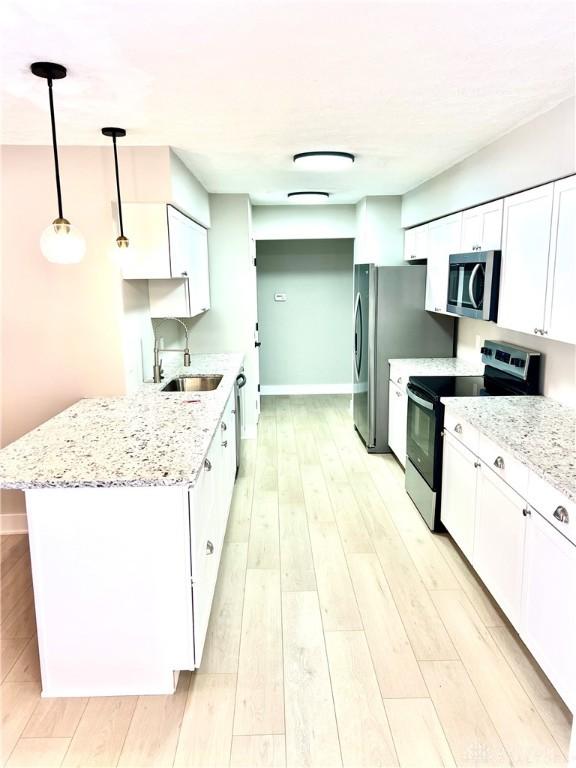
(471, 285)
(427, 404)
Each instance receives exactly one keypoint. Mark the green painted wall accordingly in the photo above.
(306, 340)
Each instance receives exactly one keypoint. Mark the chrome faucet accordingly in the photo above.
(158, 372)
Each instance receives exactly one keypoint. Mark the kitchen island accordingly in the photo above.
(127, 502)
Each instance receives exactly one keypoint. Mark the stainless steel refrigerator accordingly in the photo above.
(390, 321)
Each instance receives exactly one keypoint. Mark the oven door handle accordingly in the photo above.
(471, 285)
(427, 404)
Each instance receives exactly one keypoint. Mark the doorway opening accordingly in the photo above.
(304, 316)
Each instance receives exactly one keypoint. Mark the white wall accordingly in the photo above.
(536, 152)
(187, 193)
(559, 360)
(379, 233)
(302, 222)
(307, 340)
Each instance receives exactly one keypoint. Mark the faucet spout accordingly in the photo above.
(158, 373)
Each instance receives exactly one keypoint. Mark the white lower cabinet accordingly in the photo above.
(548, 624)
(459, 475)
(499, 541)
(209, 504)
(397, 417)
(526, 559)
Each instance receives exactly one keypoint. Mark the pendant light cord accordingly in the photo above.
(55, 147)
(118, 188)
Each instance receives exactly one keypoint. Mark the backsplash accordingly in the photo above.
(559, 360)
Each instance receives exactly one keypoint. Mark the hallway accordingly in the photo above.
(342, 633)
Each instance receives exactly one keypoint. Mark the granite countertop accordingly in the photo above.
(145, 438)
(538, 431)
(436, 366)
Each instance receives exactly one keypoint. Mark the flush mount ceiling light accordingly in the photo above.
(61, 243)
(117, 133)
(308, 197)
(324, 161)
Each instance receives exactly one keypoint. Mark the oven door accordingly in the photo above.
(423, 435)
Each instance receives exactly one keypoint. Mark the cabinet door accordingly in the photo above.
(561, 313)
(397, 417)
(410, 244)
(459, 475)
(498, 554)
(548, 606)
(228, 435)
(181, 242)
(148, 256)
(416, 243)
(443, 239)
(199, 280)
(482, 228)
(525, 248)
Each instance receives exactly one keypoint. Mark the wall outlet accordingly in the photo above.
(280, 297)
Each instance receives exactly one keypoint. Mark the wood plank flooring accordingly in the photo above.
(342, 633)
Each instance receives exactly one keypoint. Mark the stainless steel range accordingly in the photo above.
(508, 370)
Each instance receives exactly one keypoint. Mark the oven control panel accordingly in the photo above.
(516, 361)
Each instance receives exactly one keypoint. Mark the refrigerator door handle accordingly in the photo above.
(358, 333)
(372, 288)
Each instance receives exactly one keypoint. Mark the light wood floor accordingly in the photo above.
(342, 633)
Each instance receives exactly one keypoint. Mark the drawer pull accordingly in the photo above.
(499, 462)
(207, 465)
(399, 380)
(561, 514)
(225, 444)
(209, 548)
(526, 512)
(398, 394)
(223, 426)
(477, 464)
(458, 429)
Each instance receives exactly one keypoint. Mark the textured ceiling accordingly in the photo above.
(238, 86)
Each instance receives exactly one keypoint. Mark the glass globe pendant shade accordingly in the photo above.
(62, 243)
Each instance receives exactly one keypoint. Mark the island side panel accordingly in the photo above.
(111, 573)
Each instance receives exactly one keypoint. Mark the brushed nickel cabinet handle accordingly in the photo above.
(561, 514)
(458, 429)
(209, 548)
(225, 444)
(499, 462)
(207, 465)
(477, 464)
(526, 512)
(223, 426)
(398, 393)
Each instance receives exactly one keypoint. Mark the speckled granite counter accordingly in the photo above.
(435, 366)
(539, 432)
(146, 438)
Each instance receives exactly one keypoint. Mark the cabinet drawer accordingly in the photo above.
(202, 501)
(553, 506)
(504, 465)
(461, 430)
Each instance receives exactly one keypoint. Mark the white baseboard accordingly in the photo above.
(14, 522)
(306, 389)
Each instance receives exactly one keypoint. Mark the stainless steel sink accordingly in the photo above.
(194, 383)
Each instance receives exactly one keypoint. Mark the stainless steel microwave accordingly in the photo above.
(474, 284)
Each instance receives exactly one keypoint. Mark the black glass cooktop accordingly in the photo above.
(436, 387)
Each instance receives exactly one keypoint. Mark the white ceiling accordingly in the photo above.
(238, 86)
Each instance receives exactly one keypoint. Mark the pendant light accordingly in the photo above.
(118, 133)
(60, 242)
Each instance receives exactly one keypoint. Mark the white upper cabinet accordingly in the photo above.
(560, 319)
(525, 248)
(482, 228)
(416, 243)
(171, 251)
(443, 239)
